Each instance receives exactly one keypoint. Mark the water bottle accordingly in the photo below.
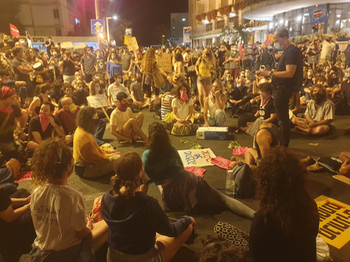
(230, 183)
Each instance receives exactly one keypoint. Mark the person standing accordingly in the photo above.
(235, 60)
(68, 66)
(49, 44)
(287, 77)
(88, 62)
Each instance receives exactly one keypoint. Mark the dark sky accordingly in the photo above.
(146, 14)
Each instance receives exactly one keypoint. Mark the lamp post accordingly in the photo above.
(108, 18)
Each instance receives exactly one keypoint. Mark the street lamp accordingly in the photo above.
(108, 18)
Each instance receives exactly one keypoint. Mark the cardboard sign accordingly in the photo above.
(132, 43)
(334, 221)
(98, 101)
(196, 157)
(114, 92)
(126, 39)
(164, 62)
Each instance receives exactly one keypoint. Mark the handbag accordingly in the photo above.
(180, 129)
(169, 118)
(159, 79)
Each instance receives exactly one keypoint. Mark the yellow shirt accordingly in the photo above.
(204, 70)
(85, 148)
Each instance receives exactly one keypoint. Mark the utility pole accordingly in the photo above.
(97, 10)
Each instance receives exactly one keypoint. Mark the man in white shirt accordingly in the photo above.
(115, 88)
(123, 124)
(327, 47)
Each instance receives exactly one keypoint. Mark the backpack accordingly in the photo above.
(244, 181)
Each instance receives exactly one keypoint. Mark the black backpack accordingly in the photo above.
(244, 181)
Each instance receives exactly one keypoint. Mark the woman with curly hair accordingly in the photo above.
(203, 66)
(286, 225)
(91, 160)
(182, 190)
(148, 69)
(138, 228)
(58, 211)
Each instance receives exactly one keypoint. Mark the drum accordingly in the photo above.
(38, 66)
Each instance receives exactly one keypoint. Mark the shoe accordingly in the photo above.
(308, 161)
(314, 167)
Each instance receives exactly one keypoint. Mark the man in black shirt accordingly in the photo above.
(287, 78)
(68, 66)
(49, 44)
(41, 127)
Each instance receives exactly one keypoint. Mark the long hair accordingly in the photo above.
(127, 167)
(50, 160)
(178, 89)
(281, 192)
(209, 60)
(158, 142)
(148, 62)
(85, 119)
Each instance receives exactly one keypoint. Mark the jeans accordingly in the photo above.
(219, 119)
(99, 132)
(281, 103)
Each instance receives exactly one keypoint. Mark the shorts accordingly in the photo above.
(206, 81)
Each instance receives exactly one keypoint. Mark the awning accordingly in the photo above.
(67, 45)
(209, 34)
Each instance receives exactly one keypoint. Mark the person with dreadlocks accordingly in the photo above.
(9, 115)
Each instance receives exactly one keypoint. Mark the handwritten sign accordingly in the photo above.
(132, 43)
(334, 221)
(164, 62)
(196, 157)
(114, 92)
(98, 101)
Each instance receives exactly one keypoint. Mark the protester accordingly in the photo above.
(138, 228)
(286, 225)
(115, 88)
(214, 106)
(69, 237)
(123, 124)
(88, 62)
(68, 67)
(35, 106)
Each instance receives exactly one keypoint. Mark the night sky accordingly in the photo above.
(146, 14)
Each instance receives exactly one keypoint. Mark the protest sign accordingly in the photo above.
(164, 62)
(114, 92)
(132, 44)
(334, 225)
(196, 157)
(126, 38)
(98, 101)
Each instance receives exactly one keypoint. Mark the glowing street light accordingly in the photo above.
(115, 17)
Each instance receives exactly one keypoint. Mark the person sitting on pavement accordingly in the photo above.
(35, 105)
(44, 126)
(183, 190)
(68, 114)
(68, 91)
(345, 167)
(123, 124)
(286, 225)
(80, 93)
(214, 106)
(58, 211)
(91, 160)
(138, 228)
(239, 99)
(266, 109)
(136, 92)
(319, 114)
(266, 136)
(115, 88)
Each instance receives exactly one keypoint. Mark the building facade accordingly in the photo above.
(56, 17)
(211, 19)
(177, 22)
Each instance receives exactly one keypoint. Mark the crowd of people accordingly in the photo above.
(46, 116)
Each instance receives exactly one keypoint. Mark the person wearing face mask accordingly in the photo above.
(67, 115)
(87, 62)
(287, 78)
(114, 66)
(68, 91)
(68, 67)
(222, 58)
(42, 126)
(319, 114)
(266, 109)
(136, 92)
(80, 93)
(124, 126)
(266, 137)
(234, 60)
(239, 99)
(214, 106)
(115, 88)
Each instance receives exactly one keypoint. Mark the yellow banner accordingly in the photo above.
(334, 221)
(126, 38)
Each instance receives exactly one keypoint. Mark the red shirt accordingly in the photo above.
(68, 120)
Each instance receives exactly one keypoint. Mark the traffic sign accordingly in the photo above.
(97, 26)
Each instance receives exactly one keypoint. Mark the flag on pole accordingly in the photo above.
(241, 51)
(269, 39)
(14, 30)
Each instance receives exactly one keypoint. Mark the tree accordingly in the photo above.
(118, 29)
(9, 11)
(159, 31)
